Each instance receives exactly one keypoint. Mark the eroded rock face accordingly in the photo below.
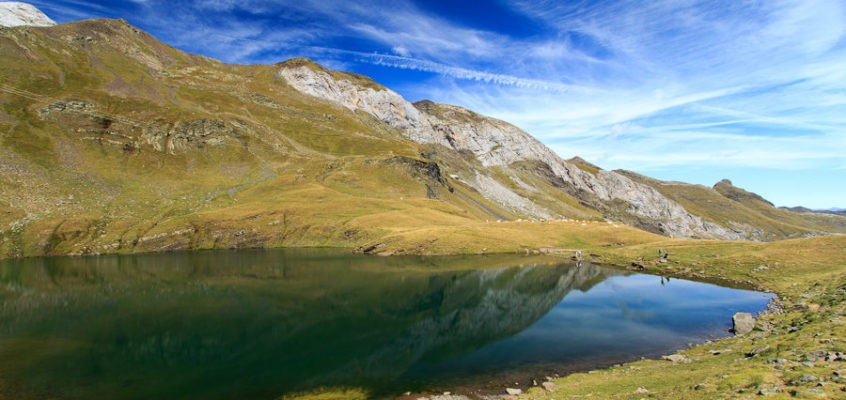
(162, 136)
(496, 143)
(385, 104)
(183, 135)
(15, 13)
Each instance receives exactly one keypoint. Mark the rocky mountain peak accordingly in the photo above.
(15, 13)
(727, 189)
(724, 183)
(497, 144)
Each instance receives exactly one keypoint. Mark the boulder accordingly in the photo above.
(743, 323)
(676, 358)
(757, 351)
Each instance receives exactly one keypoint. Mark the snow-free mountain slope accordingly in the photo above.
(111, 141)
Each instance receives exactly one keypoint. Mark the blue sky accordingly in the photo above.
(696, 91)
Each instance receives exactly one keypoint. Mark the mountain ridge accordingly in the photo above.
(115, 142)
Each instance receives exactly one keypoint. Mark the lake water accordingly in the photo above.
(266, 323)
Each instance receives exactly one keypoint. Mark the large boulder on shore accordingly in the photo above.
(743, 323)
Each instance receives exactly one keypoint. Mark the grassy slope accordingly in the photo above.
(731, 206)
(280, 168)
(288, 170)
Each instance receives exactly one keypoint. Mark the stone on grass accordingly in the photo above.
(743, 323)
(676, 358)
(758, 350)
(769, 391)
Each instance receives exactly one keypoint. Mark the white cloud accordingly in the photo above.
(401, 51)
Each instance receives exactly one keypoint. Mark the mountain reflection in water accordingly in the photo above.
(259, 324)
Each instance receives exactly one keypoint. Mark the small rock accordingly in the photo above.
(743, 323)
(769, 391)
(676, 358)
(641, 390)
(720, 351)
(807, 378)
(548, 386)
(813, 392)
(513, 392)
(450, 397)
(758, 350)
(816, 355)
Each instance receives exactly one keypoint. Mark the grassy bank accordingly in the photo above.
(791, 353)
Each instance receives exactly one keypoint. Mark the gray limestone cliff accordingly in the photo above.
(495, 143)
(15, 13)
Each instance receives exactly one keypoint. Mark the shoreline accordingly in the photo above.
(796, 284)
(525, 379)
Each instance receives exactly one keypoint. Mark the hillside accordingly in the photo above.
(111, 141)
(739, 209)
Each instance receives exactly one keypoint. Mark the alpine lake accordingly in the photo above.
(269, 324)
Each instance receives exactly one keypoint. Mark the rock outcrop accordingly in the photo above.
(15, 13)
(495, 143)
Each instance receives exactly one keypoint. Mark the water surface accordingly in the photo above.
(265, 323)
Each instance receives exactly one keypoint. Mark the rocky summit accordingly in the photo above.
(111, 141)
(14, 13)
